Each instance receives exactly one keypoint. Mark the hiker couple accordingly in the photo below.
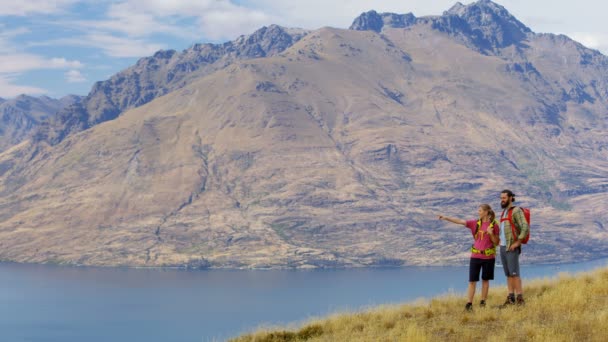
(492, 237)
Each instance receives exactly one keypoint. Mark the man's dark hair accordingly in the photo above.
(509, 193)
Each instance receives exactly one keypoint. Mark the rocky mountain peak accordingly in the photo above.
(457, 8)
(368, 21)
(374, 21)
(489, 24)
(483, 25)
(164, 54)
(267, 41)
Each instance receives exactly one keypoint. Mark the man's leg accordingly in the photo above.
(516, 275)
(508, 266)
(517, 285)
(511, 296)
(511, 284)
(519, 291)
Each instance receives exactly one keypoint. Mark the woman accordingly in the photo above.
(485, 232)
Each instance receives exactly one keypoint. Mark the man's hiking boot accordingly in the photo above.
(482, 304)
(468, 307)
(520, 301)
(510, 301)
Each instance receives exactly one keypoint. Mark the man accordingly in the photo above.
(510, 246)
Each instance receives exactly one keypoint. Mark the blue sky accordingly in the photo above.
(60, 47)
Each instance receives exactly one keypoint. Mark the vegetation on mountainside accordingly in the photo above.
(569, 308)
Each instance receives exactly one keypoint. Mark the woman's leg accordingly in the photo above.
(485, 287)
(487, 275)
(474, 270)
(471, 291)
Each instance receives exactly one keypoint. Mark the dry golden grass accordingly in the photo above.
(568, 308)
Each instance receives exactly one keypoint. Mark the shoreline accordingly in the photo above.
(193, 269)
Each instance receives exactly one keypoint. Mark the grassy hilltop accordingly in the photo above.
(569, 308)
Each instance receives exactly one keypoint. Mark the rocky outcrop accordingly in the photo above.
(488, 25)
(374, 21)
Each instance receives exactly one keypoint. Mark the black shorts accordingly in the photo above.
(486, 266)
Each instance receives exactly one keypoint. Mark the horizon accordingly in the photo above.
(60, 48)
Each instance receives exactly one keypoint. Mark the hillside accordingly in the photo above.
(564, 309)
(338, 151)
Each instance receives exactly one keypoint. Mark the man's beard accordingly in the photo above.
(505, 205)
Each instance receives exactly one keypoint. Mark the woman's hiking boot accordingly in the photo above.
(468, 307)
(482, 304)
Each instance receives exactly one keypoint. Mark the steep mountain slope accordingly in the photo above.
(338, 151)
(22, 115)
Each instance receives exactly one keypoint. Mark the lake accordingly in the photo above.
(52, 303)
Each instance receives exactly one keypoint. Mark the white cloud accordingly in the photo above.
(124, 19)
(120, 47)
(111, 45)
(218, 25)
(7, 45)
(593, 40)
(61, 63)
(129, 26)
(214, 19)
(29, 7)
(16, 63)
(187, 8)
(7, 35)
(74, 76)
(9, 89)
(12, 65)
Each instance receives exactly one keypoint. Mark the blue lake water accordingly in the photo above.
(49, 303)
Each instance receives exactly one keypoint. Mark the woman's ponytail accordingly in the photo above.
(491, 212)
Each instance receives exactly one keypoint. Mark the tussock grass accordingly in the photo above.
(565, 308)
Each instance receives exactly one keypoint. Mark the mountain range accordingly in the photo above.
(324, 148)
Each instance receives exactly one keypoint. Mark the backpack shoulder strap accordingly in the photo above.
(514, 229)
(502, 215)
